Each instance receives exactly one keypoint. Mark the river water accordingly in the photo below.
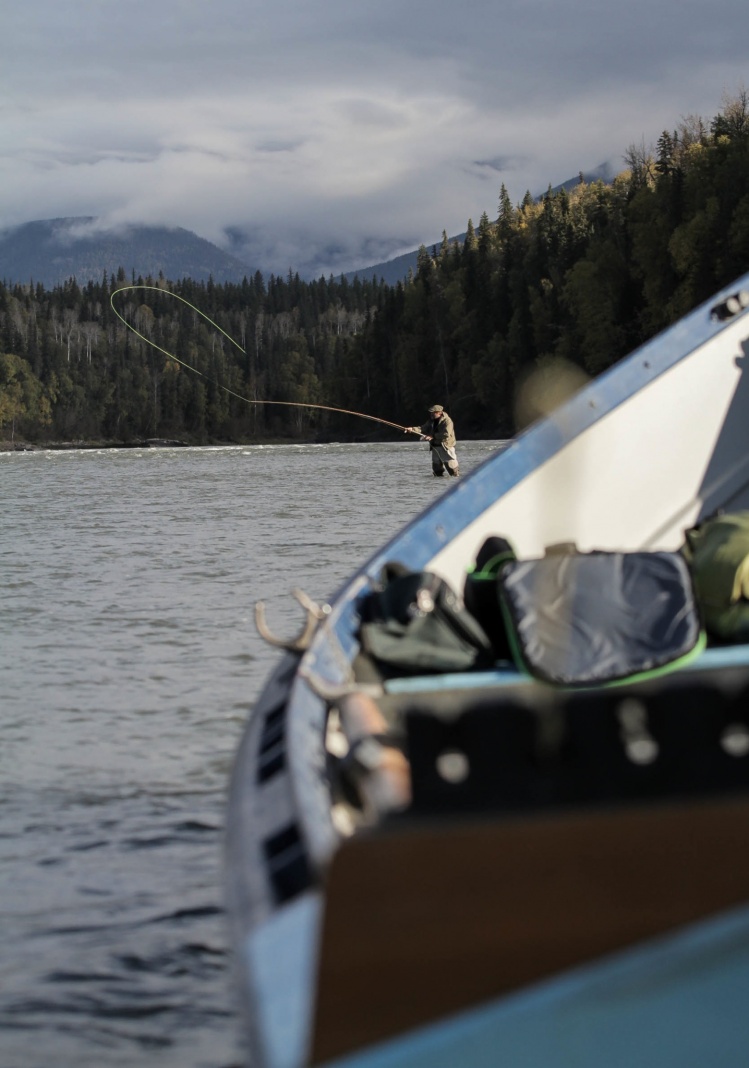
(129, 663)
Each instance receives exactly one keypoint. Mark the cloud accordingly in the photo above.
(328, 134)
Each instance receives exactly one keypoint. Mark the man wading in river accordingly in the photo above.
(440, 433)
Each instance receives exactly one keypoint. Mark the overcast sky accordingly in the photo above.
(339, 133)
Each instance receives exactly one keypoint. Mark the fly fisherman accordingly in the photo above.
(440, 433)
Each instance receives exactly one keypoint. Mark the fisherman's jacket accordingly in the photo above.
(442, 432)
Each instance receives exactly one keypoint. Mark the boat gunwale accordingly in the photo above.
(334, 644)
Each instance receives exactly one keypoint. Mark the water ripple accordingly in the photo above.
(129, 661)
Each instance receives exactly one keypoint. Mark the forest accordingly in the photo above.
(575, 279)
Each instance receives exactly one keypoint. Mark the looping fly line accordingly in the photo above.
(246, 400)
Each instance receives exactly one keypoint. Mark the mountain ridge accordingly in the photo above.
(53, 251)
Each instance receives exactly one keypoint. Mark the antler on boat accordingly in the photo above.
(332, 692)
(300, 644)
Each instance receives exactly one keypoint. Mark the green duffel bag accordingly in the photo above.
(718, 553)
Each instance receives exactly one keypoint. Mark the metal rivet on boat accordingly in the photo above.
(453, 766)
(735, 740)
(642, 750)
(731, 305)
(424, 602)
(639, 744)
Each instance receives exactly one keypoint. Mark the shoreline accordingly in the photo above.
(46, 446)
(161, 443)
(172, 443)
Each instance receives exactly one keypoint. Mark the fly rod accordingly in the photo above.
(189, 367)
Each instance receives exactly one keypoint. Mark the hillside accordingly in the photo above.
(573, 281)
(396, 270)
(51, 251)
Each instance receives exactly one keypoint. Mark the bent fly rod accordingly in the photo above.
(189, 367)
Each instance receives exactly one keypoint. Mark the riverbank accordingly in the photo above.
(146, 443)
(171, 443)
(42, 446)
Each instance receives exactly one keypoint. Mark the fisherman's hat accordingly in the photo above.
(436, 408)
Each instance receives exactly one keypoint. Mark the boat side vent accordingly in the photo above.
(288, 869)
(271, 757)
(731, 306)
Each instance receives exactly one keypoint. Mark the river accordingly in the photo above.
(129, 663)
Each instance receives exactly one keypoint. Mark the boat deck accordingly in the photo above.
(504, 676)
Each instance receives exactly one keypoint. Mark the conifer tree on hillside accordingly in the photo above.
(581, 275)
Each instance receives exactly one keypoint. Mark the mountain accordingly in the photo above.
(396, 270)
(51, 251)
